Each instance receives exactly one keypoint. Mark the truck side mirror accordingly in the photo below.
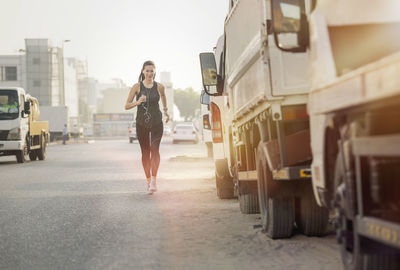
(27, 107)
(209, 73)
(290, 25)
(208, 69)
(204, 98)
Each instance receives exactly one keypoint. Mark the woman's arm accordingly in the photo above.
(132, 93)
(161, 91)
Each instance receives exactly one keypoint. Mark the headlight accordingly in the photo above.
(14, 134)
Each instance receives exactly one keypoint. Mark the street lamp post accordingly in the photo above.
(63, 70)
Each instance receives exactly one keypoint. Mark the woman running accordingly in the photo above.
(149, 125)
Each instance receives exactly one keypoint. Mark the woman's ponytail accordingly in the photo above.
(141, 77)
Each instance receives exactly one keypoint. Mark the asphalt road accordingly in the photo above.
(85, 207)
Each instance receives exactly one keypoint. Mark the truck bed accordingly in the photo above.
(379, 80)
(38, 126)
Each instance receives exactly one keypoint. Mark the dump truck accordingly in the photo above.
(21, 132)
(265, 127)
(354, 108)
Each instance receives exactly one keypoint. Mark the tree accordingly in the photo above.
(187, 102)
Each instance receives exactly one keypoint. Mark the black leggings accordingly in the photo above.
(149, 140)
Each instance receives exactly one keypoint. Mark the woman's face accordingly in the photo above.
(148, 72)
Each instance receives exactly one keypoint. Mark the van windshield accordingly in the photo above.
(9, 106)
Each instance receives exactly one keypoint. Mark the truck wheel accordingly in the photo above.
(41, 153)
(311, 219)
(20, 155)
(248, 200)
(353, 257)
(224, 187)
(209, 149)
(225, 193)
(32, 155)
(277, 210)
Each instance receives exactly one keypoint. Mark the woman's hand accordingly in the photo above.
(142, 99)
(166, 117)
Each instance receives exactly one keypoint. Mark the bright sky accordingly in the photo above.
(117, 36)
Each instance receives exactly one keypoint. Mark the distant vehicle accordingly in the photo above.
(184, 132)
(132, 132)
(21, 132)
(167, 130)
(57, 116)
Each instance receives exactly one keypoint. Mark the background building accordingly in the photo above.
(45, 72)
(56, 82)
(111, 118)
(71, 94)
(13, 70)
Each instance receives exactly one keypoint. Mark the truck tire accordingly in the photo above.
(311, 219)
(20, 155)
(382, 262)
(225, 187)
(248, 203)
(353, 257)
(209, 149)
(277, 209)
(280, 217)
(41, 153)
(225, 193)
(32, 155)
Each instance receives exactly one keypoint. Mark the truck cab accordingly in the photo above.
(219, 119)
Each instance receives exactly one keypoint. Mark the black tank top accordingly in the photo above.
(148, 113)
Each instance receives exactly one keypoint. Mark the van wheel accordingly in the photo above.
(311, 219)
(41, 153)
(248, 198)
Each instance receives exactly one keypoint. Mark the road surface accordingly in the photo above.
(85, 207)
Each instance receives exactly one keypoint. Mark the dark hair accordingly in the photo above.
(147, 63)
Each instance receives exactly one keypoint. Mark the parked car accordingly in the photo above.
(132, 132)
(185, 132)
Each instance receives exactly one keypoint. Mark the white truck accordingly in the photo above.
(21, 132)
(218, 118)
(265, 130)
(354, 107)
(205, 127)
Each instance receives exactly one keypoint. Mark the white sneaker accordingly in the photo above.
(148, 188)
(153, 185)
